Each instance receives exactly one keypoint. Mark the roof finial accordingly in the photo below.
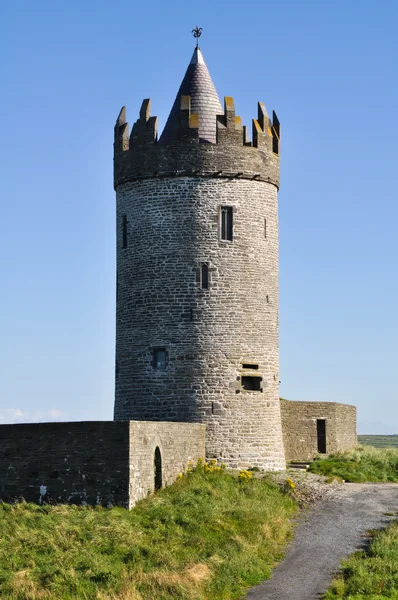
(197, 32)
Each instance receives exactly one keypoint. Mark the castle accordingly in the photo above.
(197, 345)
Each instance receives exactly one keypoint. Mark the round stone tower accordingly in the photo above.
(197, 272)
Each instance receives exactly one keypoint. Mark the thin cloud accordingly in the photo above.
(17, 415)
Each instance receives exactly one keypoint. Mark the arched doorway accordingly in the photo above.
(158, 469)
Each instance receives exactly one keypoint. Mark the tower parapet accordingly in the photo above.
(141, 156)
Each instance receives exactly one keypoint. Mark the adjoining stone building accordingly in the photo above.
(197, 343)
(311, 428)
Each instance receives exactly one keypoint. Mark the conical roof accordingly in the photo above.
(205, 102)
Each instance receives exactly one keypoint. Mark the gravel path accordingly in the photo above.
(326, 534)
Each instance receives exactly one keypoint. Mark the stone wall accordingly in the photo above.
(178, 444)
(208, 334)
(108, 463)
(299, 423)
(66, 462)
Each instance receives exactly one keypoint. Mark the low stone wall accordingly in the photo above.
(178, 443)
(299, 424)
(95, 462)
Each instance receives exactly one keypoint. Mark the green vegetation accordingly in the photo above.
(379, 441)
(362, 464)
(211, 535)
(370, 574)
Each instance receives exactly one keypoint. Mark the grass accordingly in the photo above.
(364, 463)
(211, 535)
(379, 441)
(370, 574)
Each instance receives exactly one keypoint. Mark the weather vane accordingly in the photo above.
(197, 32)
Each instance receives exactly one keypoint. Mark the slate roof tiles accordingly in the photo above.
(205, 102)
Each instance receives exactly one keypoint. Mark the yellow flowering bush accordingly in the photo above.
(208, 467)
(244, 475)
(290, 486)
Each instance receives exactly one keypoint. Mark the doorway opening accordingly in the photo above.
(158, 469)
(321, 435)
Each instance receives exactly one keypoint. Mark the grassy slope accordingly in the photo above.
(208, 536)
(372, 574)
(362, 464)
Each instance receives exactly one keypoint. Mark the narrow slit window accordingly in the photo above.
(249, 366)
(124, 231)
(226, 223)
(205, 277)
(321, 435)
(157, 464)
(265, 228)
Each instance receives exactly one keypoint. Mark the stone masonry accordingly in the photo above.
(95, 462)
(220, 340)
(299, 423)
(179, 443)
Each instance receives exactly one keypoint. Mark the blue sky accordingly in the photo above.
(329, 71)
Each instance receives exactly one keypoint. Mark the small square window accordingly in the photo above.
(252, 384)
(159, 360)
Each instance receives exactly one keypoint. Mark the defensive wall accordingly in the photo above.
(95, 462)
(117, 463)
(305, 423)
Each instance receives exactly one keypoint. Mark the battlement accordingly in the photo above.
(141, 156)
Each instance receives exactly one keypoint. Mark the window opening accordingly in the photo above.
(321, 435)
(124, 231)
(160, 358)
(226, 223)
(252, 384)
(205, 276)
(158, 469)
(249, 366)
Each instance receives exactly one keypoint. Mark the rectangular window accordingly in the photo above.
(159, 360)
(204, 279)
(226, 223)
(124, 231)
(249, 366)
(252, 384)
(321, 435)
